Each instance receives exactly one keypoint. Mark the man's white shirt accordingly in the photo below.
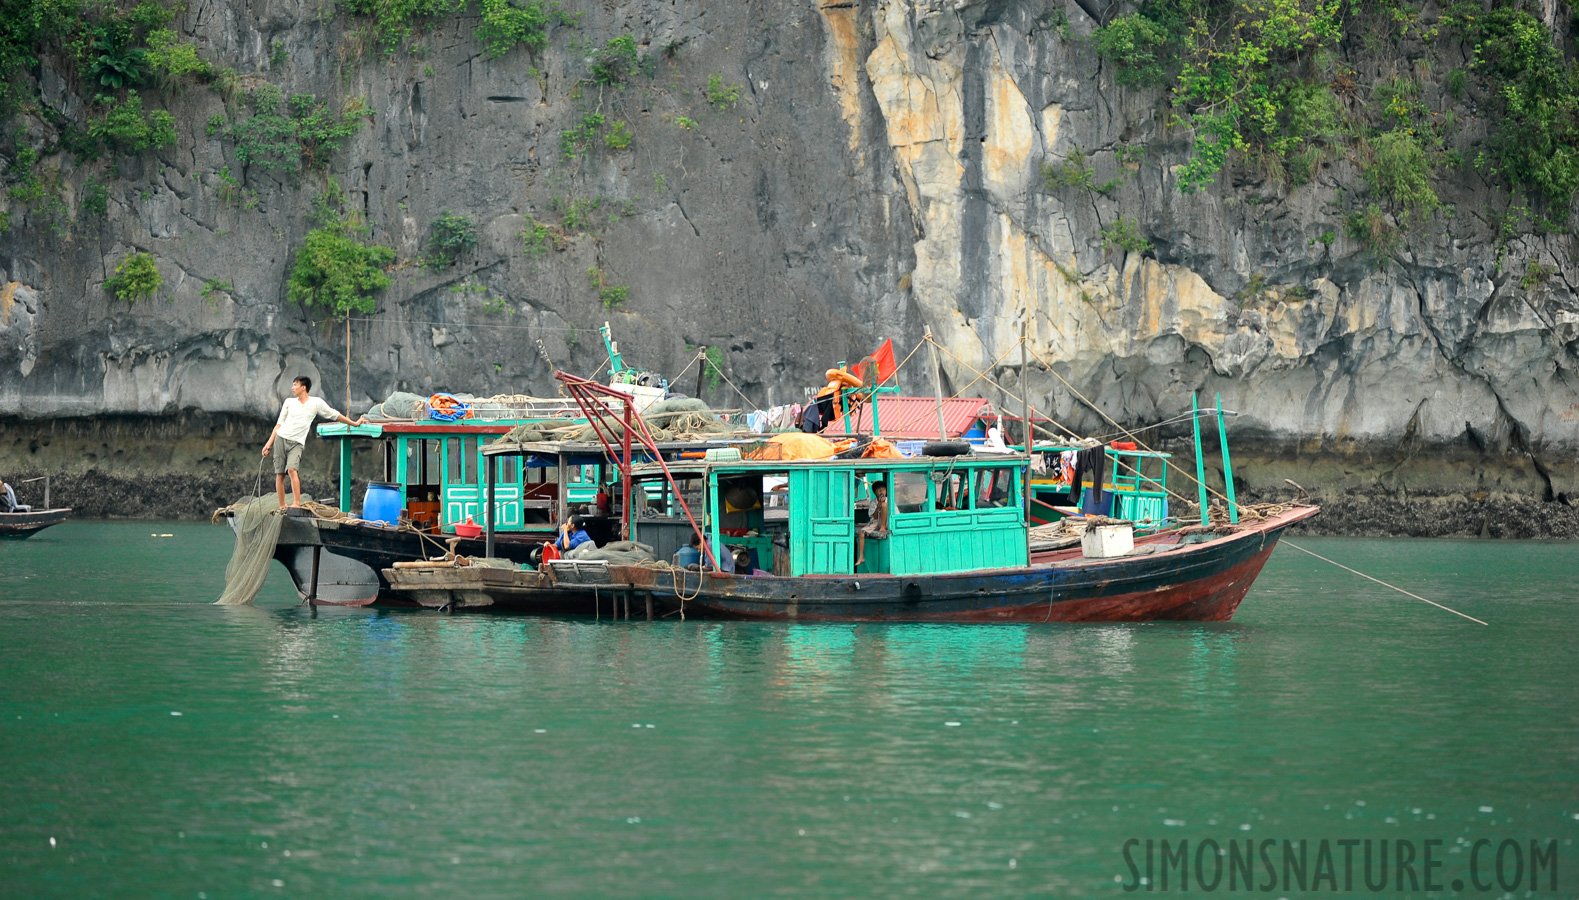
(297, 417)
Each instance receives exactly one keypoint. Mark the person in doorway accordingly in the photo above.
(297, 415)
(8, 499)
(573, 534)
(876, 526)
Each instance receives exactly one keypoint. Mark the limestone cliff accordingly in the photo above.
(878, 173)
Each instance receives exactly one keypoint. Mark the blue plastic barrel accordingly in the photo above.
(381, 503)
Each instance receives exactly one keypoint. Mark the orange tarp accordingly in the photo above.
(881, 449)
(797, 445)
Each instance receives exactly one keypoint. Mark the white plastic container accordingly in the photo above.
(1107, 541)
(641, 395)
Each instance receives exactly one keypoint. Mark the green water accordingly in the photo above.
(410, 754)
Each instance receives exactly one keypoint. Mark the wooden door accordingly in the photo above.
(822, 521)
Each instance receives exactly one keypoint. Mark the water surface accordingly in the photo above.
(157, 746)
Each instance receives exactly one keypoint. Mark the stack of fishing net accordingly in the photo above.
(544, 430)
(620, 553)
(257, 522)
(677, 419)
(400, 405)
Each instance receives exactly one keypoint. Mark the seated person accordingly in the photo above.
(690, 555)
(572, 534)
(8, 499)
(876, 526)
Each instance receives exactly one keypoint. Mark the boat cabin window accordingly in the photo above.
(953, 490)
(994, 488)
(460, 456)
(910, 491)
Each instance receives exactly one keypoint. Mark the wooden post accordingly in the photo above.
(649, 606)
(937, 383)
(1228, 467)
(492, 465)
(1200, 466)
(563, 511)
(312, 580)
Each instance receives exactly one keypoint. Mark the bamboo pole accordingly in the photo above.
(937, 384)
(1025, 409)
(1228, 467)
(1200, 465)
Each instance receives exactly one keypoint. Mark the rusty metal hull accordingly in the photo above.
(18, 525)
(1202, 582)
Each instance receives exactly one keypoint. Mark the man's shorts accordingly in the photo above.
(287, 455)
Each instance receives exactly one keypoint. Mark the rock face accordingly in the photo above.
(879, 175)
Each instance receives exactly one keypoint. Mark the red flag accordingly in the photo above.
(884, 361)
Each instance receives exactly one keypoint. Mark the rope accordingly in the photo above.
(749, 401)
(1383, 583)
(982, 374)
(676, 379)
(1116, 460)
(995, 383)
(1127, 433)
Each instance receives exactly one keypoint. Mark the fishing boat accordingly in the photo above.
(425, 494)
(782, 540)
(18, 525)
(24, 523)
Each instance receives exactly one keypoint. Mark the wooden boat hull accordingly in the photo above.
(19, 525)
(1199, 582)
(500, 590)
(352, 557)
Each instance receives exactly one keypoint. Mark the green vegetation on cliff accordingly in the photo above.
(1287, 84)
(334, 270)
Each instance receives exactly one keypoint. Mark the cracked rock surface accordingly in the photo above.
(879, 176)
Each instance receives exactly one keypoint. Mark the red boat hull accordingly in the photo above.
(1169, 580)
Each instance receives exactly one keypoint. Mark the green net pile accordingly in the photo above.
(257, 524)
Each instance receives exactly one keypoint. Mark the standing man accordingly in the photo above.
(296, 417)
(876, 526)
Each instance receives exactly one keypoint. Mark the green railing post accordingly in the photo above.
(345, 472)
(1228, 468)
(1200, 466)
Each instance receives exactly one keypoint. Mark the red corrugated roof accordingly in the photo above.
(915, 418)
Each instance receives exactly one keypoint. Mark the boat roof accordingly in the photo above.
(915, 418)
(380, 429)
(590, 449)
(1059, 447)
(769, 466)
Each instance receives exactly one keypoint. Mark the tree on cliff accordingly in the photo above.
(334, 270)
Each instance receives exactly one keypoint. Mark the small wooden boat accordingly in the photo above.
(18, 525)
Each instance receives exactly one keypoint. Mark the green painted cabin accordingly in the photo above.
(946, 514)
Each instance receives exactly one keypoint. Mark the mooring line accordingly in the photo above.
(1383, 583)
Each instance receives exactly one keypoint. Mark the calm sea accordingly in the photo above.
(152, 745)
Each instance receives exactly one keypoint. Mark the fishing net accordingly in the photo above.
(257, 523)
